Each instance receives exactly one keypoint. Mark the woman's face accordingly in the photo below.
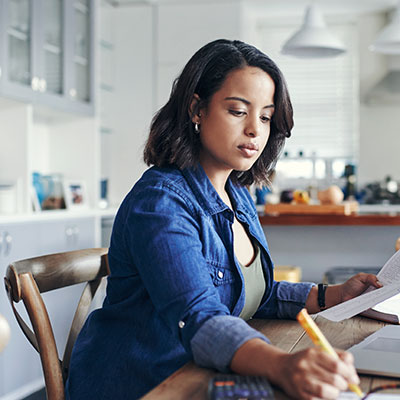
(235, 126)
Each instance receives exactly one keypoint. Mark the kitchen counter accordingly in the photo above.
(372, 215)
(324, 220)
(317, 243)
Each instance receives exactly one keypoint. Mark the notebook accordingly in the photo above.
(379, 353)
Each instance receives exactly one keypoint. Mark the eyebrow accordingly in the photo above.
(246, 101)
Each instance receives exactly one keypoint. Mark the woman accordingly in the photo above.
(189, 260)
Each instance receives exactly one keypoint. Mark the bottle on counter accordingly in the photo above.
(350, 188)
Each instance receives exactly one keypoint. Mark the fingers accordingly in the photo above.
(318, 375)
(348, 359)
(370, 279)
(342, 367)
(317, 389)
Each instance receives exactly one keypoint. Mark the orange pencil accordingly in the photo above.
(320, 340)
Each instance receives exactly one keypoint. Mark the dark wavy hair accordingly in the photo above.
(172, 140)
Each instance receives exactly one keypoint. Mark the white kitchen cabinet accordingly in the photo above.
(71, 234)
(54, 130)
(47, 53)
(20, 368)
(19, 362)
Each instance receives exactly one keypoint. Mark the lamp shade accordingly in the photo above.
(313, 39)
(388, 40)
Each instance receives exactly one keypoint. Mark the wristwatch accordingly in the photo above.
(321, 295)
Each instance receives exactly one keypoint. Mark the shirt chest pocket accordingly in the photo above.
(225, 282)
(220, 275)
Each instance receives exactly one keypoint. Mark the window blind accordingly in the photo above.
(324, 94)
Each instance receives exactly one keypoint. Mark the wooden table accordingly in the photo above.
(190, 382)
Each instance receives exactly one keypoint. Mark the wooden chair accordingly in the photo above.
(26, 279)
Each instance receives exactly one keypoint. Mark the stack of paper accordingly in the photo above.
(372, 302)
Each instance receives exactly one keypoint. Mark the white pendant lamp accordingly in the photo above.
(388, 40)
(313, 39)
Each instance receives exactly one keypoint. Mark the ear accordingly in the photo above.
(194, 109)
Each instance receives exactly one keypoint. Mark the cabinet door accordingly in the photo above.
(2, 35)
(72, 234)
(50, 45)
(80, 54)
(20, 75)
(56, 236)
(20, 366)
(47, 55)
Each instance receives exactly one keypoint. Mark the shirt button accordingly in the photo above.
(181, 324)
(220, 274)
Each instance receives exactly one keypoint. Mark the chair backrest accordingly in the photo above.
(26, 279)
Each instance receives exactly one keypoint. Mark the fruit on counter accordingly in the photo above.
(332, 195)
(301, 197)
(286, 196)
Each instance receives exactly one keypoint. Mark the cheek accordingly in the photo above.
(266, 136)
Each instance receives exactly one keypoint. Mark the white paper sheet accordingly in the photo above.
(373, 396)
(389, 276)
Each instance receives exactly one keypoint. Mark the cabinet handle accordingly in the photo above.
(1, 72)
(69, 232)
(35, 83)
(42, 85)
(8, 240)
(76, 235)
(1, 243)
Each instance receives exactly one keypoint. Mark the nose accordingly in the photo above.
(252, 128)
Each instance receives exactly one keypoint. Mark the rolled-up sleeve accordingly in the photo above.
(286, 300)
(164, 237)
(218, 354)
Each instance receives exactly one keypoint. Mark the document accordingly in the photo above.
(372, 396)
(389, 276)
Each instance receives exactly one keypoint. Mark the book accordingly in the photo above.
(387, 311)
(382, 303)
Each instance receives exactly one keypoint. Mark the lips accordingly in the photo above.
(249, 146)
(248, 149)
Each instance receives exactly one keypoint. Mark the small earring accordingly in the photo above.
(196, 128)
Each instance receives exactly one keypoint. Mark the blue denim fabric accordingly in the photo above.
(175, 289)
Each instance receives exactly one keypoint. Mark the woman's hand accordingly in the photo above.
(357, 285)
(312, 374)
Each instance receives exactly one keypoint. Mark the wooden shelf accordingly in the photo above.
(322, 220)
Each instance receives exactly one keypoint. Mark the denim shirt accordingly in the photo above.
(176, 289)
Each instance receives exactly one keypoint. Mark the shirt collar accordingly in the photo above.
(206, 194)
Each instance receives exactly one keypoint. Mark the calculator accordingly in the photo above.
(239, 387)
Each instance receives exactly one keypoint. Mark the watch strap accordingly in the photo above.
(321, 295)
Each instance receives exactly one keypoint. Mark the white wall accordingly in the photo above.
(183, 28)
(132, 108)
(379, 124)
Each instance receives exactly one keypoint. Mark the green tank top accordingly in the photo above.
(254, 286)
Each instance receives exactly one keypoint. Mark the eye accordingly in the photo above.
(265, 118)
(237, 113)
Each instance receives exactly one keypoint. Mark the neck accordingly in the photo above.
(218, 179)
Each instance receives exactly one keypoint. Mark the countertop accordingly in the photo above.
(368, 215)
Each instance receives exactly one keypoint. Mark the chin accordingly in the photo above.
(244, 167)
